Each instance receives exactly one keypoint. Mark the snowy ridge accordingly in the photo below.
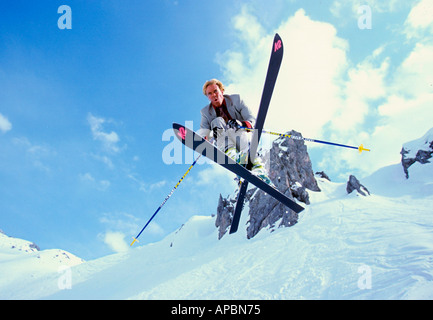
(13, 245)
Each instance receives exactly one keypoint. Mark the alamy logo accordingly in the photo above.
(277, 46)
(65, 20)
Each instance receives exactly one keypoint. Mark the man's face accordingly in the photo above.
(215, 95)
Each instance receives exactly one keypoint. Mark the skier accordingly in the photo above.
(223, 117)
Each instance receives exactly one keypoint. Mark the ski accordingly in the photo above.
(271, 78)
(194, 141)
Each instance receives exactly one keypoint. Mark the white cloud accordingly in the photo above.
(415, 75)
(248, 25)
(119, 227)
(365, 83)
(5, 125)
(420, 19)
(308, 91)
(116, 241)
(109, 140)
(214, 174)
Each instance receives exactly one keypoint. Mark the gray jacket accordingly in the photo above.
(235, 106)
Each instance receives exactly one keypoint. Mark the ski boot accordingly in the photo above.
(258, 169)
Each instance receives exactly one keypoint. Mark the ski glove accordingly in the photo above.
(234, 124)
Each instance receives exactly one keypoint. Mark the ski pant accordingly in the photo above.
(229, 138)
(236, 145)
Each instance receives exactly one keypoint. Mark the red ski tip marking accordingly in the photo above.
(277, 46)
(181, 133)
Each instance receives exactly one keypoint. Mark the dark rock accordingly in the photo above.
(323, 175)
(354, 184)
(34, 246)
(225, 211)
(406, 163)
(422, 155)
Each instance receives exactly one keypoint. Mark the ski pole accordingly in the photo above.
(165, 200)
(360, 148)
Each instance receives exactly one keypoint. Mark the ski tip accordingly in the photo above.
(180, 131)
(278, 44)
(177, 126)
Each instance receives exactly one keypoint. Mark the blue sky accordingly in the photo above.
(83, 111)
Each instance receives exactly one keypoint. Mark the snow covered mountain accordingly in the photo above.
(23, 265)
(344, 246)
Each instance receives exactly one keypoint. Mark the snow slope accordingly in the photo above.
(344, 247)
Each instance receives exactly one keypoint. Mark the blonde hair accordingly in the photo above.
(210, 82)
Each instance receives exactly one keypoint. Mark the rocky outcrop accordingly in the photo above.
(225, 211)
(290, 169)
(323, 175)
(266, 211)
(354, 184)
(291, 165)
(420, 150)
